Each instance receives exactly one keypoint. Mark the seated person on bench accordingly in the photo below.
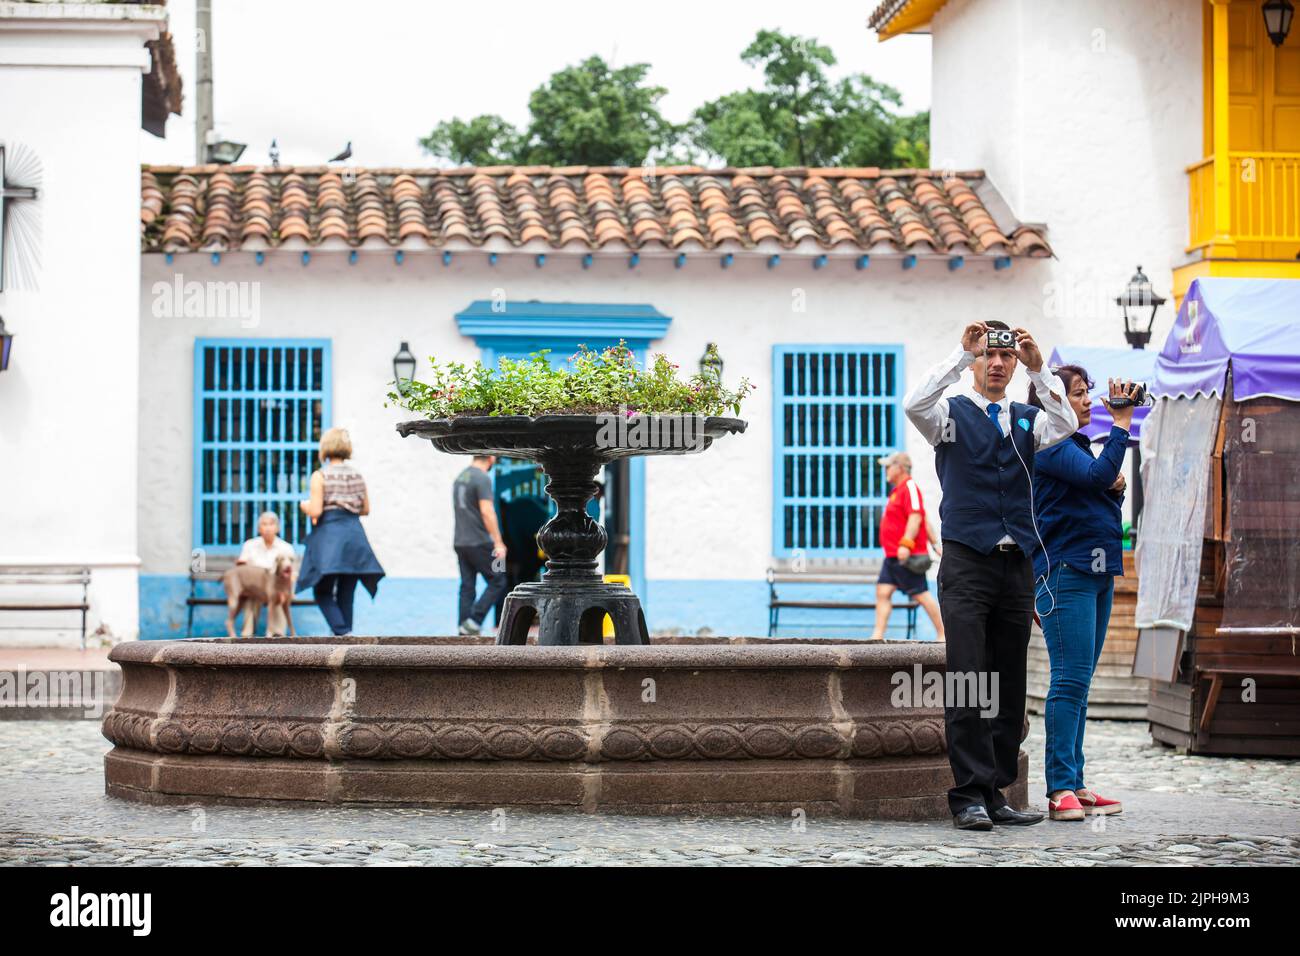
(262, 552)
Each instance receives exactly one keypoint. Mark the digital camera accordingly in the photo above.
(1140, 399)
(1001, 339)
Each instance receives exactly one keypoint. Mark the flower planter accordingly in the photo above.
(569, 604)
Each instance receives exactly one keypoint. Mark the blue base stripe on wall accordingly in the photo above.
(427, 606)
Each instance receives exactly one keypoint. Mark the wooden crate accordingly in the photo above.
(1115, 693)
(1267, 726)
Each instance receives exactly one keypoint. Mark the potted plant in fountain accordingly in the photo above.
(571, 421)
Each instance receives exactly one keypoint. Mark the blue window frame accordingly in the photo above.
(260, 406)
(837, 411)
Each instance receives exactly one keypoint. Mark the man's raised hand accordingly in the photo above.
(1027, 350)
(973, 339)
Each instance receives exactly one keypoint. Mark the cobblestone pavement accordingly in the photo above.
(1178, 810)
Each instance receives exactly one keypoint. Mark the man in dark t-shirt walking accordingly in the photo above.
(478, 543)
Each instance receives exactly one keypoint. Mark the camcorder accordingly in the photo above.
(1140, 399)
(1001, 339)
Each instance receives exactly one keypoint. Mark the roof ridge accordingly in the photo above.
(802, 172)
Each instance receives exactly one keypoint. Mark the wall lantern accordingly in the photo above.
(1277, 20)
(711, 361)
(403, 368)
(6, 345)
(1136, 299)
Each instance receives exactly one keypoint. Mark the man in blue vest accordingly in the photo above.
(984, 454)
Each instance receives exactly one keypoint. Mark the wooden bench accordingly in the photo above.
(852, 579)
(35, 575)
(215, 569)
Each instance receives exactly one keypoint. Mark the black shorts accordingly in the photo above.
(909, 582)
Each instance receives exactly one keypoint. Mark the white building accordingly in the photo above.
(1081, 116)
(72, 81)
(770, 265)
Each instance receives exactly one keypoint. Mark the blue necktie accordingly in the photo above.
(993, 411)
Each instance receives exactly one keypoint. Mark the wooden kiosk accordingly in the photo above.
(1218, 609)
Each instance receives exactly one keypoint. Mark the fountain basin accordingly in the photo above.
(740, 726)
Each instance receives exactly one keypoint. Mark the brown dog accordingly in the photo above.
(251, 588)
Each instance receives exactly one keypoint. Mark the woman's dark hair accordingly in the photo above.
(1068, 374)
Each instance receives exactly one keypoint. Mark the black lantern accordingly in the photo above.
(403, 368)
(711, 361)
(225, 152)
(1277, 20)
(1137, 298)
(6, 345)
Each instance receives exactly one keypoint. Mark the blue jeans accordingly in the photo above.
(1074, 631)
(333, 595)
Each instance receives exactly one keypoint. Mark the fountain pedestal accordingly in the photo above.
(569, 604)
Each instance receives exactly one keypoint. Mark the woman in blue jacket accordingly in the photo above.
(1077, 502)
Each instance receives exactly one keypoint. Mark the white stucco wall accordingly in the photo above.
(71, 81)
(708, 517)
(1084, 114)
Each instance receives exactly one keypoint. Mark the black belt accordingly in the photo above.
(1006, 547)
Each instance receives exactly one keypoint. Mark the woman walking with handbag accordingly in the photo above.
(904, 536)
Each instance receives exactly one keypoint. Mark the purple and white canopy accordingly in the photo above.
(1251, 324)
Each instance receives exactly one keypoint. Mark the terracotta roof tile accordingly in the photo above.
(221, 207)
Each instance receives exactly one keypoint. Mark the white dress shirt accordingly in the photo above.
(927, 409)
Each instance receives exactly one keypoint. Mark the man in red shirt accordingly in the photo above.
(903, 533)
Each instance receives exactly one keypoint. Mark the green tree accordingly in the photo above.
(587, 114)
(483, 141)
(802, 118)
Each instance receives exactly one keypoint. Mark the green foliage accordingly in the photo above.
(606, 381)
(802, 118)
(587, 114)
(592, 114)
(912, 148)
(480, 142)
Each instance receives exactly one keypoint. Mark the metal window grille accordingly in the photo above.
(260, 406)
(838, 411)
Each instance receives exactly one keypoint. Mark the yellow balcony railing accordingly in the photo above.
(1263, 195)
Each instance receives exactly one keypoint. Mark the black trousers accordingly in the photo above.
(475, 560)
(987, 603)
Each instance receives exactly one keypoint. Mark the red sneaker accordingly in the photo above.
(1094, 803)
(1067, 808)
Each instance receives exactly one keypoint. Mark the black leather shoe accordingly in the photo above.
(972, 818)
(1011, 817)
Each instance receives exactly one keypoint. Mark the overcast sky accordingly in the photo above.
(315, 75)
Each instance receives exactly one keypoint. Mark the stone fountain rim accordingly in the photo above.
(336, 654)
